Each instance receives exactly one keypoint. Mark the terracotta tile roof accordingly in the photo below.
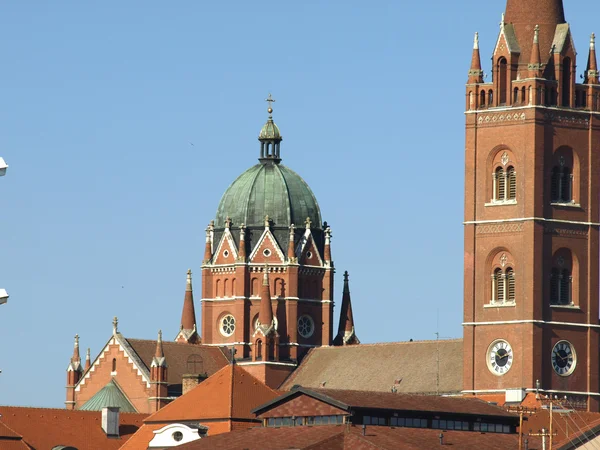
(570, 426)
(231, 393)
(45, 428)
(397, 401)
(378, 367)
(11, 440)
(208, 359)
(334, 437)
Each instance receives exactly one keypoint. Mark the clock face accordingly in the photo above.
(500, 357)
(563, 358)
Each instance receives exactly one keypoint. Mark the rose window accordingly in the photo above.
(227, 325)
(306, 326)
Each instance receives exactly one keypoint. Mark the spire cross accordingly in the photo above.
(308, 223)
(593, 41)
(76, 340)
(270, 100)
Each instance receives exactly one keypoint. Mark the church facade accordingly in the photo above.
(532, 212)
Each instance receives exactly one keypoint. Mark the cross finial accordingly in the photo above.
(115, 323)
(228, 222)
(76, 340)
(267, 222)
(270, 100)
(593, 41)
(308, 222)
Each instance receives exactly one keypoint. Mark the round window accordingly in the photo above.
(308, 255)
(306, 326)
(267, 252)
(227, 326)
(177, 436)
(225, 253)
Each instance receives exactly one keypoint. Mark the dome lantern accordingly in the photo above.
(270, 138)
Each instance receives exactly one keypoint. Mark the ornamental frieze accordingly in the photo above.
(566, 232)
(569, 119)
(496, 228)
(501, 117)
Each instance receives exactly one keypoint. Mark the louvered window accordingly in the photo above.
(500, 184)
(566, 185)
(512, 183)
(510, 285)
(561, 189)
(554, 287)
(498, 294)
(565, 288)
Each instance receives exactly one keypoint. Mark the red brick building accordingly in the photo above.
(532, 212)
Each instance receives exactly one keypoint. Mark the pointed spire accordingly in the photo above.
(535, 64)
(591, 72)
(188, 315)
(208, 244)
(292, 245)
(242, 249)
(76, 358)
(475, 73)
(159, 346)
(265, 317)
(159, 357)
(327, 250)
(346, 334)
(88, 360)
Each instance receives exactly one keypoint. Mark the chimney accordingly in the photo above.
(110, 421)
(441, 438)
(189, 382)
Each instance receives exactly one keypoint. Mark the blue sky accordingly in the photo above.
(104, 205)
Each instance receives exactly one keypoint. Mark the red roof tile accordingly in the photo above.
(338, 437)
(231, 393)
(44, 428)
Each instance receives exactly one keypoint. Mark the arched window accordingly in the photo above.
(490, 98)
(503, 281)
(523, 95)
(254, 287)
(500, 184)
(482, 98)
(515, 96)
(114, 364)
(226, 292)
(561, 185)
(511, 181)
(218, 288)
(502, 80)
(561, 278)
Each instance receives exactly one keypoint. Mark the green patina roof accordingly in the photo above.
(109, 396)
(269, 130)
(268, 190)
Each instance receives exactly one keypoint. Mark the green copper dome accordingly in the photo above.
(270, 130)
(268, 189)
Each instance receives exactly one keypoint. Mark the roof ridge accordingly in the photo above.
(4, 424)
(384, 344)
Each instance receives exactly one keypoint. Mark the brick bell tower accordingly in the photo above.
(532, 195)
(267, 274)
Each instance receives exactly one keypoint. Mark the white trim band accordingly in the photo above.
(543, 322)
(551, 391)
(530, 219)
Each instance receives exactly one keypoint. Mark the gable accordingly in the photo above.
(267, 251)
(226, 252)
(300, 406)
(310, 255)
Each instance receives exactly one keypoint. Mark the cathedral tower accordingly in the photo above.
(532, 212)
(268, 229)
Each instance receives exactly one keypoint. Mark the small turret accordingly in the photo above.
(74, 373)
(158, 376)
(292, 245)
(187, 330)
(88, 361)
(327, 250)
(242, 249)
(475, 72)
(270, 138)
(535, 64)
(208, 244)
(266, 338)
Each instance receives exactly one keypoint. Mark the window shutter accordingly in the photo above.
(500, 183)
(565, 288)
(554, 282)
(555, 183)
(499, 285)
(510, 280)
(512, 183)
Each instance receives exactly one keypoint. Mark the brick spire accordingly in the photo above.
(88, 361)
(76, 359)
(242, 249)
(327, 250)
(475, 72)
(159, 353)
(535, 63)
(188, 315)
(265, 316)
(158, 377)
(591, 72)
(346, 334)
(208, 244)
(525, 14)
(291, 245)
